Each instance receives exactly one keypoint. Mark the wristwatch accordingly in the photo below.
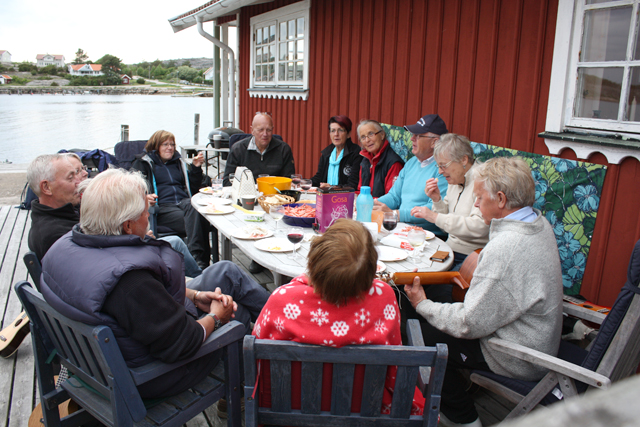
(216, 319)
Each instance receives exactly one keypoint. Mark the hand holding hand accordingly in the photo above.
(198, 160)
(415, 292)
(379, 206)
(431, 190)
(223, 308)
(425, 213)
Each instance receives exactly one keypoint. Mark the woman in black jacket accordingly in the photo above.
(339, 162)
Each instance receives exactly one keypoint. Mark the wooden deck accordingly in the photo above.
(18, 388)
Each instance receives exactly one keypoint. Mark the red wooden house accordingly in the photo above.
(501, 72)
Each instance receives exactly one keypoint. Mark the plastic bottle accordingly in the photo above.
(364, 204)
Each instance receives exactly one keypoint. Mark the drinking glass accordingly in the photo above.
(295, 235)
(276, 212)
(295, 180)
(416, 239)
(305, 184)
(216, 184)
(390, 220)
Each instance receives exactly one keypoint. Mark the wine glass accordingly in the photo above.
(295, 235)
(305, 184)
(416, 239)
(390, 221)
(276, 212)
(295, 180)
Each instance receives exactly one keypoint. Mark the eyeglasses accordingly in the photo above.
(414, 135)
(370, 135)
(168, 144)
(444, 167)
(84, 168)
(339, 130)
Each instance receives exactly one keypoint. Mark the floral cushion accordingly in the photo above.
(567, 192)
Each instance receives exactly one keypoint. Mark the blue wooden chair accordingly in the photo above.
(428, 363)
(102, 384)
(33, 267)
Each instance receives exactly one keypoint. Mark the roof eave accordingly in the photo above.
(209, 12)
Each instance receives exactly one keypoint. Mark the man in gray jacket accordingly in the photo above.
(515, 294)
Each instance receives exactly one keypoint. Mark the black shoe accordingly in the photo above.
(255, 268)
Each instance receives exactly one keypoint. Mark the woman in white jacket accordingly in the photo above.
(455, 213)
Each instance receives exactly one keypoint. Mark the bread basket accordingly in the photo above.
(266, 201)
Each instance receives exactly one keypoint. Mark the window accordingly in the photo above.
(280, 46)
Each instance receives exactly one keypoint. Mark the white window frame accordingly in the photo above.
(277, 89)
(563, 86)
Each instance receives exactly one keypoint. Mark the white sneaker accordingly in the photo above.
(445, 422)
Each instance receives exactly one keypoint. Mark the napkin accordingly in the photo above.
(396, 242)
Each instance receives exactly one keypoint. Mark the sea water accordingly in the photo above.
(31, 125)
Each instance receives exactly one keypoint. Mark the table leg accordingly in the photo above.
(226, 248)
(215, 253)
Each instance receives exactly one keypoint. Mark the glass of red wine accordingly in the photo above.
(390, 221)
(295, 235)
(295, 180)
(305, 184)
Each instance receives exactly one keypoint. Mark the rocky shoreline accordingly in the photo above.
(109, 90)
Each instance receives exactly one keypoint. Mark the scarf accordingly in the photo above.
(334, 167)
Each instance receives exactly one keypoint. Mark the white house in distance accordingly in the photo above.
(4, 79)
(46, 59)
(85, 69)
(208, 75)
(5, 57)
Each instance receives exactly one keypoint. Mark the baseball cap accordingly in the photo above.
(429, 123)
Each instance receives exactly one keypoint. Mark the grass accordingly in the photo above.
(164, 85)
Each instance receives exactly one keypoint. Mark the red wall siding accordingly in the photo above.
(483, 65)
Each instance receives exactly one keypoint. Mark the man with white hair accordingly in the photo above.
(134, 284)
(515, 294)
(55, 178)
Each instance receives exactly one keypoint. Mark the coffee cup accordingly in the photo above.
(248, 202)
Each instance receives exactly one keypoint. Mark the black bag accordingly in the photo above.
(27, 197)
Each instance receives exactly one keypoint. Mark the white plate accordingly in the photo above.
(380, 267)
(387, 253)
(212, 201)
(428, 234)
(217, 210)
(210, 191)
(275, 244)
(244, 233)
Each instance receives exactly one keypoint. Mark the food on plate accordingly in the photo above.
(302, 211)
(213, 209)
(412, 227)
(306, 201)
(207, 190)
(256, 231)
(275, 199)
(274, 248)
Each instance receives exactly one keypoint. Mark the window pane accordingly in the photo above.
(598, 94)
(258, 73)
(290, 71)
(283, 30)
(633, 102)
(259, 36)
(272, 33)
(300, 49)
(606, 33)
(265, 54)
(300, 27)
(265, 73)
(281, 68)
(265, 35)
(258, 55)
(598, 1)
(292, 48)
(272, 71)
(299, 70)
(272, 53)
(292, 29)
(283, 51)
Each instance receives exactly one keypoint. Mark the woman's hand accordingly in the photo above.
(198, 160)
(431, 190)
(223, 308)
(415, 292)
(425, 213)
(379, 206)
(151, 198)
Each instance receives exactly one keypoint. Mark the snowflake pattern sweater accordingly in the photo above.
(294, 312)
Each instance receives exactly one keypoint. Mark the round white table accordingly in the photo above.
(281, 265)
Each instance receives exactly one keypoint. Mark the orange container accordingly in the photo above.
(269, 184)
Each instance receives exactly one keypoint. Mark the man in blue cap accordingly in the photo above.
(408, 190)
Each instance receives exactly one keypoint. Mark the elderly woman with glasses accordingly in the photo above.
(455, 212)
(173, 182)
(340, 161)
(381, 165)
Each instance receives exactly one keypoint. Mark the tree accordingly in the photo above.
(186, 63)
(111, 66)
(81, 57)
(156, 63)
(187, 73)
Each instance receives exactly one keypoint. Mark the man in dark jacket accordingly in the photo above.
(262, 153)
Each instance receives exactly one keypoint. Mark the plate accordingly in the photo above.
(387, 253)
(217, 210)
(380, 267)
(212, 201)
(428, 234)
(209, 191)
(244, 233)
(275, 244)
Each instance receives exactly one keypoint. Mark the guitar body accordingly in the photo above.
(12, 335)
(459, 279)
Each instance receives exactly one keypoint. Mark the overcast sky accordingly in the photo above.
(134, 31)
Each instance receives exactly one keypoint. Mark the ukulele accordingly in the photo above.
(460, 279)
(12, 335)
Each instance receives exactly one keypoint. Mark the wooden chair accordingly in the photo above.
(376, 358)
(103, 385)
(614, 355)
(33, 267)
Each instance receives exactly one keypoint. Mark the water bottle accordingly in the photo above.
(364, 204)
